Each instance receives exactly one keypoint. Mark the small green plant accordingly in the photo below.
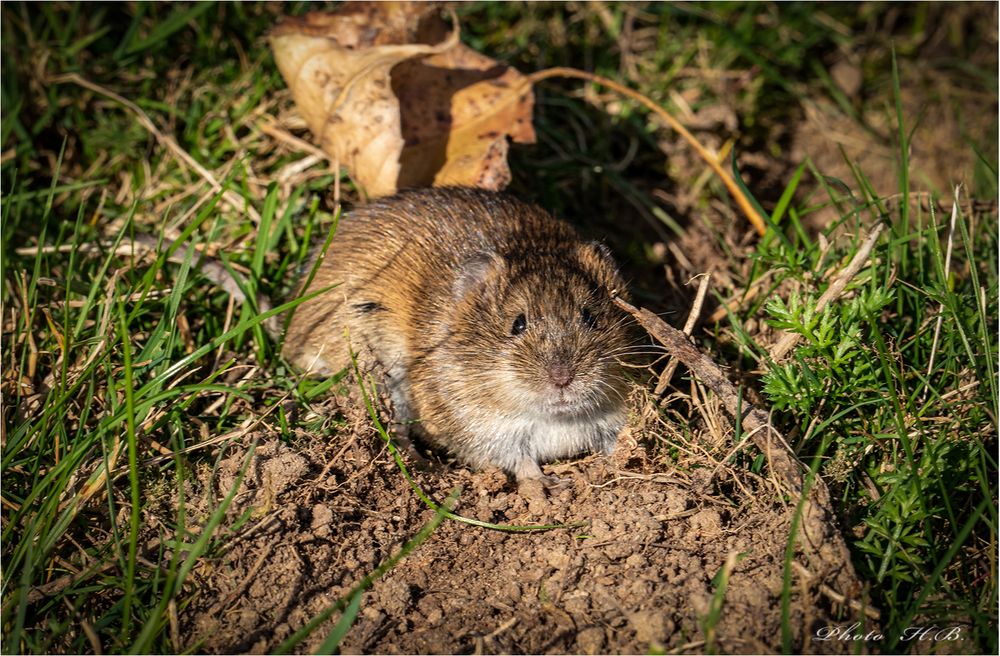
(901, 416)
(835, 359)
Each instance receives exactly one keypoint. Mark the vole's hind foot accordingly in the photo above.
(417, 461)
(556, 484)
(422, 463)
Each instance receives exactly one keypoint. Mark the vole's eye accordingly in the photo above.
(520, 325)
(588, 319)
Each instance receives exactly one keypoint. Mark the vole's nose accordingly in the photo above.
(560, 374)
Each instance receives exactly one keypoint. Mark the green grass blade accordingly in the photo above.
(332, 643)
(176, 21)
(133, 472)
(786, 196)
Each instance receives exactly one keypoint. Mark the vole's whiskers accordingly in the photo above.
(603, 383)
(636, 351)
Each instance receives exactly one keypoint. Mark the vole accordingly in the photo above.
(491, 319)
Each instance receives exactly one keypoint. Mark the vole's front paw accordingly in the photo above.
(532, 490)
(540, 493)
(531, 482)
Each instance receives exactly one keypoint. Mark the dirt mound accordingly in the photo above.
(635, 575)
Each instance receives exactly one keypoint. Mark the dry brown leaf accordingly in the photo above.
(394, 97)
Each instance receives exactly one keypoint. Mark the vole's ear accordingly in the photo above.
(474, 271)
(596, 259)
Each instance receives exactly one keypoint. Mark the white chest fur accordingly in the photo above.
(506, 441)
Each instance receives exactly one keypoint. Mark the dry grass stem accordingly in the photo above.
(239, 204)
(735, 303)
(947, 271)
(854, 604)
(745, 205)
(275, 132)
(692, 320)
(247, 426)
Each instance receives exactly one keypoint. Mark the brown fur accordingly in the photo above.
(430, 283)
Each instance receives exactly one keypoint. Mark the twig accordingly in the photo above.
(88, 247)
(57, 585)
(699, 301)
(88, 630)
(239, 203)
(734, 189)
(835, 289)
(503, 627)
(175, 625)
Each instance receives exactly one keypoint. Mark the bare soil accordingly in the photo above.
(635, 575)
